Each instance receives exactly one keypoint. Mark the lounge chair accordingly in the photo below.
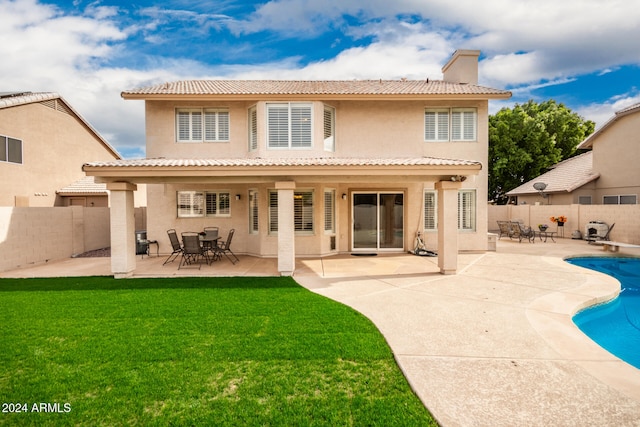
(224, 248)
(521, 231)
(175, 245)
(504, 230)
(192, 251)
(595, 238)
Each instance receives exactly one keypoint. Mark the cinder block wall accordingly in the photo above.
(625, 217)
(35, 235)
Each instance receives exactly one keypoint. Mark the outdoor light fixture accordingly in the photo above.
(540, 186)
(344, 196)
(237, 197)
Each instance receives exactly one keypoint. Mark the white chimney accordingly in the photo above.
(462, 67)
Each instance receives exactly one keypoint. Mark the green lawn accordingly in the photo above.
(193, 351)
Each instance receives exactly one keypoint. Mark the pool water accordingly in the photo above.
(615, 326)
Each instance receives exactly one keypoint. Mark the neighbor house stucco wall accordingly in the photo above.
(55, 146)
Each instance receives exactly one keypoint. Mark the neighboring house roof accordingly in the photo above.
(565, 176)
(588, 142)
(315, 88)
(55, 101)
(83, 187)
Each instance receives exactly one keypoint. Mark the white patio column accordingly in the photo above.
(123, 238)
(448, 226)
(286, 228)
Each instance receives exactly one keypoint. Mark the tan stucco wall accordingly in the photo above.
(363, 129)
(55, 145)
(616, 156)
(37, 235)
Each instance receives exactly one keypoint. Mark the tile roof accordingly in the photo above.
(279, 162)
(565, 176)
(86, 185)
(14, 99)
(314, 88)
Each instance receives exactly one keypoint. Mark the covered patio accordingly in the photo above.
(407, 176)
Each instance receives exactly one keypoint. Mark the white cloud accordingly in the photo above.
(525, 45)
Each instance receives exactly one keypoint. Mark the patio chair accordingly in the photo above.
(175, 245)
(192, 251)
(521, 231)
(595, 238)
(210, 234)
(504, 229)
(211, 231)
(224, 248)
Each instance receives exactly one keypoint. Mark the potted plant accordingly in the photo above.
(560, 220)
(543, 227)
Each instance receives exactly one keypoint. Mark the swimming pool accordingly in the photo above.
(615, 326)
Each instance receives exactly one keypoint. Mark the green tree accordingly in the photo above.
(524, 141)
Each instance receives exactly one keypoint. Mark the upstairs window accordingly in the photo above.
(10, 150)
(289, 125)
(450, 124)
(253, 129)
(329, 128)
(202, 125)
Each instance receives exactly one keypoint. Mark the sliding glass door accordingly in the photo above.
(377, 221)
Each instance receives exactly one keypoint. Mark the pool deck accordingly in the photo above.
(493, 345)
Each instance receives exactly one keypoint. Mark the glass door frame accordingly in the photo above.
(378, 193)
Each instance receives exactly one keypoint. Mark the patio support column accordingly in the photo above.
(286, 228)
(123, 239)
(448, 226)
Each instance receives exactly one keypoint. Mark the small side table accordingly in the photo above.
(546, 234)
(149, 243)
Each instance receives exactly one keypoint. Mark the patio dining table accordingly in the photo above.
(209, 243)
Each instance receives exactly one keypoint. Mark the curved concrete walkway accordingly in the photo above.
(491, 346)
(495, 344)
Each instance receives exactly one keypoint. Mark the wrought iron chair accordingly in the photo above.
(192, 251)
(224, 248)
(175, 245)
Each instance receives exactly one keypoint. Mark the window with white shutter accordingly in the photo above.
(330, 211)
(302, 212)
(253, 211)
(253, 129)
(329, 128)
(455, 124)
(430, 210)
(202, 125)
(289, 125)
(199, 204)
(467, 210)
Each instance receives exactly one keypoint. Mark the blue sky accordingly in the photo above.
(583, 53)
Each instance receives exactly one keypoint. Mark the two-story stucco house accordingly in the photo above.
(43, 144)
(312, 168)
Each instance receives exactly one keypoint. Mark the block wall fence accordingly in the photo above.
(625, 217)
(37, 235)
